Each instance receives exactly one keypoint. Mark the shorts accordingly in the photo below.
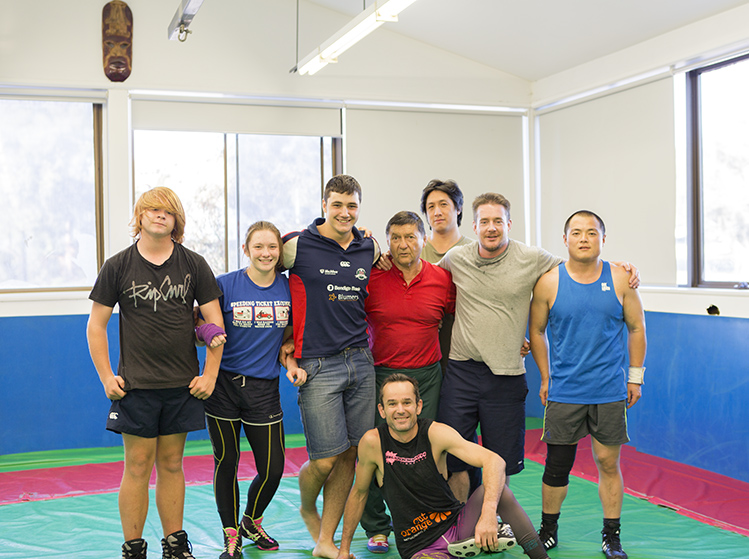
(471, 395)
(464, 527)
(152, 412)
(568, 423)
(255, 401)
(430, 381)
(337, 402)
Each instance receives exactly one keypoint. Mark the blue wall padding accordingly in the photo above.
(693, 408)
(696, 395)
(51, 397)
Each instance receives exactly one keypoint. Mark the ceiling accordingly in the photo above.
(533, 39)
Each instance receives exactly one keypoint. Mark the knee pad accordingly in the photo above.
(559, 461)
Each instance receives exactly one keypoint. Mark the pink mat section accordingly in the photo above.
(70, 481)
(705, 496)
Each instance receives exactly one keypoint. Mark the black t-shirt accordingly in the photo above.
(157, 336)
(421, 502)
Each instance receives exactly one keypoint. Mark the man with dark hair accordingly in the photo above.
(597, 322)
(329, 266)
(442, 203)
(404, 309)
(406, 457)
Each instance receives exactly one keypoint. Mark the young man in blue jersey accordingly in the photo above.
(597, 325)
(329, 266)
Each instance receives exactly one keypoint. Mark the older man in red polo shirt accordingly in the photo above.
(405, 307)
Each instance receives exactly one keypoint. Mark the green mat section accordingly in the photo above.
(80, 456)
(88, 527)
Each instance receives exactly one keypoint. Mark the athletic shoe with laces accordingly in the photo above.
(253, 530)
(468, 548)
(548, 535)
(232, 544)
(378, 544)
(611, 545)
(176, 546)
(134, 549)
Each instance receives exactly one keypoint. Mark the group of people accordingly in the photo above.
(398, 359)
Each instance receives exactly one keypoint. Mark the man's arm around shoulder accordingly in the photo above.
(366, 467)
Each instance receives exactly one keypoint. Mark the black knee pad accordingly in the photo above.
(559, 461)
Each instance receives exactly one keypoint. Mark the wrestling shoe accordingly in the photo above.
(548, 535)
(378, 544)
(611, 544)
(253, 530)
(176, 546)
(232, 544)
(468, 548)
(134, 549)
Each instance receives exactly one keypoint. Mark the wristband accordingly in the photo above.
(206, 332)
(636, 375)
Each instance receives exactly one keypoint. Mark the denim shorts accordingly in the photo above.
(337, 402)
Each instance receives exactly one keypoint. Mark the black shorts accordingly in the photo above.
(471, 395)
(256, 401)
(151, 412)
(568, 423)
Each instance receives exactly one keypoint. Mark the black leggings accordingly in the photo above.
(269, 450)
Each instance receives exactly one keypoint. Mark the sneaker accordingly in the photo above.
(176, 546)
(548, 535)
(232, 544)
(612, 545)
(134, 549)
(378, 544)
(468, 548)
(253, 530)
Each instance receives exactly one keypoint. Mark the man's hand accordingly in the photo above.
(114, 387)
(525, 349)
(634, 273)
(297, 376)
(486, 532)
(202, 387)
(385, 262)
(634, 393)
(544, 392)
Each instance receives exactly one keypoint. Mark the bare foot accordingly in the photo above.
(312, 521)
(327, 550)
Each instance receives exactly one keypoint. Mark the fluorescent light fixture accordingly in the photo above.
(183, 18)
(368, 20)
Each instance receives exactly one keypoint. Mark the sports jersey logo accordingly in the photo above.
(605, 287)
(391, 457)
(325, 272)
(113, 415)
(345, 264)
(361, 274)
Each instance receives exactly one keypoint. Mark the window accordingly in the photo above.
(228, 181)
(718, 128)
(48, 186)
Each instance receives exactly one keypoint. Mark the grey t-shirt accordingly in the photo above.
(430, 254)
(493, 300)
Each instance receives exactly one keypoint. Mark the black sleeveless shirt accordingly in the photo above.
(421, 503)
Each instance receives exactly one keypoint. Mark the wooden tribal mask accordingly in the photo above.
(117, 40)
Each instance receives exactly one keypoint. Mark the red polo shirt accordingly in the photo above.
(404, 319)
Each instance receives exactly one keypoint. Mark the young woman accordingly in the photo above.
(256, 306)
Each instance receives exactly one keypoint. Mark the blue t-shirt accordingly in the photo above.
(588, 341)
(255, 318)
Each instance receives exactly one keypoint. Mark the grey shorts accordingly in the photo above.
(568, 423)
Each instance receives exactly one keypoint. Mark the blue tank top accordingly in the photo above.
(588, 341)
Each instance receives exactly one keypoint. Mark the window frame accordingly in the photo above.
(695, 197)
